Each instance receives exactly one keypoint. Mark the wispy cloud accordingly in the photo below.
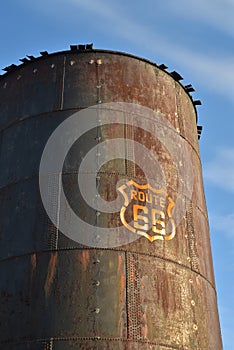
(216, 73)
(206, 68)
(216, 13)
(220, 170)
(223, 223)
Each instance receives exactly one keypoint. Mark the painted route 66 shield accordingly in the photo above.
(147, 211)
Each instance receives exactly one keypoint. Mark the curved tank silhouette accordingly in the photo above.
(57, 293)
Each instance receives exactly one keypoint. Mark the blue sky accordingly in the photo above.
(193, 38)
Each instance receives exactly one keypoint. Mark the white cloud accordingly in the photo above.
(223, 223)
(216, 73)
(220, 170)
(216, 13)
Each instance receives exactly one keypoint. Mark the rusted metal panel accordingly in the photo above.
(211, 315)
(80, 81)
(198, 196)
(22, 145)
(34, 89)
(162, 303)
(201, 227)
(60, 294)
(17, 219)
(187, 117)
(74, 284)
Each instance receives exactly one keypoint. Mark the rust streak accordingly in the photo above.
(122, 277)
(144, 328)
(85, 259)
(33, 262)
(50, 273)
(120, 260)
(33, 259)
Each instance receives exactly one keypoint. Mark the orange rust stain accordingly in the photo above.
(122, 285)
(33, 259)
(50, 273)
(120, 260)
(85, 259)
(122, 282)
(144, 328)
(198, 282)
(33, 263)
(122, 276)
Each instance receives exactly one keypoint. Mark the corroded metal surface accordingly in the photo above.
(59, 294)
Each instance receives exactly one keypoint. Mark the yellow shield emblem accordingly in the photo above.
(147, 211)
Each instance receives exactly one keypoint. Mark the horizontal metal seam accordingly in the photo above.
(129, 340)
(77, 109)
(110, 249)
(32, 116)
(35, 176)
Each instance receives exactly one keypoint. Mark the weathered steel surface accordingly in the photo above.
(59, 294)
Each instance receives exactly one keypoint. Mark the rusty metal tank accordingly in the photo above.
(152, 292)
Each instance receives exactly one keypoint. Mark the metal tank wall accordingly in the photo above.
(59, 294)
